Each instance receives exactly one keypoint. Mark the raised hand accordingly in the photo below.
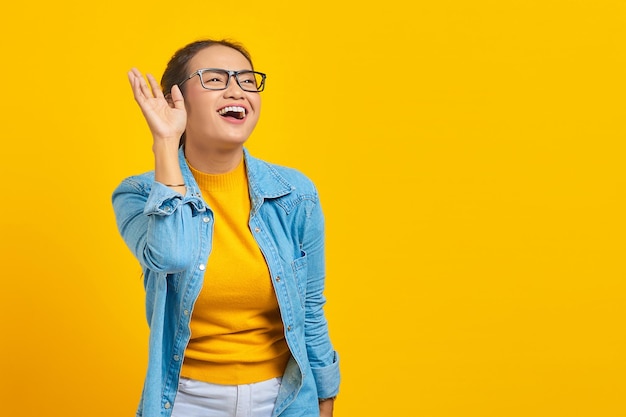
(166, 118)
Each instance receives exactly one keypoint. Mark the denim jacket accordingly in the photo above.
(171, 234)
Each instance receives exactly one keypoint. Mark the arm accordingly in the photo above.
(156, 224)
(167, 120)
(326, 407)
(322, 356)
(150, 215)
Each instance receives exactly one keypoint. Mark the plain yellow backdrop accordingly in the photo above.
(470, 159)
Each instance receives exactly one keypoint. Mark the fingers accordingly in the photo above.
(140, 88)
(138, 85)
(177, 97)
(166, 118)
(156, 89)
(134, 80)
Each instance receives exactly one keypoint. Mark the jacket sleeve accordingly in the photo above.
(323, 358)
(156, 223)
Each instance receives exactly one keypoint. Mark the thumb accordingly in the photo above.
(177, 98)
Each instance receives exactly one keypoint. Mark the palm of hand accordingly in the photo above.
(166, 119)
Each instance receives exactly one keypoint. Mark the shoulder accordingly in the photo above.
(294, 177)
(276, 176)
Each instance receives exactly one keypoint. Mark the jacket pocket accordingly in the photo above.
(299, 267)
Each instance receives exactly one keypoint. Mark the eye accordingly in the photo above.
(214, 77)
(248, 78)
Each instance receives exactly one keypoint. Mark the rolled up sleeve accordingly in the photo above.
(156, 223)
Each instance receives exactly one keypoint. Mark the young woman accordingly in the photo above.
(232, 251)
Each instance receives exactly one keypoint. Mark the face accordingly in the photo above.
(208, 123)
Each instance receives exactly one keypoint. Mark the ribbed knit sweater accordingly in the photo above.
(237, 335)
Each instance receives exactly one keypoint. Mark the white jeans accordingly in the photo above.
(201, 399)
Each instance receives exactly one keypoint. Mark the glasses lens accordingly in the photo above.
(251, 81)
(214, 79)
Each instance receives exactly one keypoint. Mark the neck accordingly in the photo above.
(214, 160)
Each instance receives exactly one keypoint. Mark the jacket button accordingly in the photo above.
(201, 267)
(167, 405)
(256, 229)
(288, 328)
(278, 279)
(206, 219)
(186, 312)
(176, 358)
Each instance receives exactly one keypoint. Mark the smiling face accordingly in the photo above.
(223, 119)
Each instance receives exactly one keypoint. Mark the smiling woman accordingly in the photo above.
(232, 250)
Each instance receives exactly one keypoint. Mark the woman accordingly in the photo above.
(232, 251)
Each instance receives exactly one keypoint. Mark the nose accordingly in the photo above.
(233, 90)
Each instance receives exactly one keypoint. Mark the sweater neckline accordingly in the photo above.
(220, 182)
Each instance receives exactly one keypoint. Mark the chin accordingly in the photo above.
(230, 142)
(233, 137)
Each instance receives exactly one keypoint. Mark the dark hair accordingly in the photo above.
(177, 68)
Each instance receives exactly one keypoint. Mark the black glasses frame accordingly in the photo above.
(231, 74)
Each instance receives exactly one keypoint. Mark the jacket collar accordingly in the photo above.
(263, 178)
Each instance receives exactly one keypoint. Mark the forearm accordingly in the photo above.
(156, 226)
(322, 356)
(166, 165)
(327, 407)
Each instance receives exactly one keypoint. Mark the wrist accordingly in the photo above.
(167, 167)
(165, 146)
(327, 406)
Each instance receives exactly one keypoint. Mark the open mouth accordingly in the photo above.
(236, 112)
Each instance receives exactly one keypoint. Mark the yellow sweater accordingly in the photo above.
(237, 334)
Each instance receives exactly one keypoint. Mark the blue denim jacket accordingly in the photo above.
(171, 234)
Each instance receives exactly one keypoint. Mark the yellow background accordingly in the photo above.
(470, 158)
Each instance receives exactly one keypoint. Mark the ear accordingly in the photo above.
(168, 98)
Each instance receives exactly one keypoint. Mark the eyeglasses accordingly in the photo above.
(219, 79)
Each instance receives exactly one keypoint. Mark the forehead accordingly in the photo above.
(219, 56)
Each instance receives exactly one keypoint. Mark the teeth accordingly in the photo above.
(236, 109)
